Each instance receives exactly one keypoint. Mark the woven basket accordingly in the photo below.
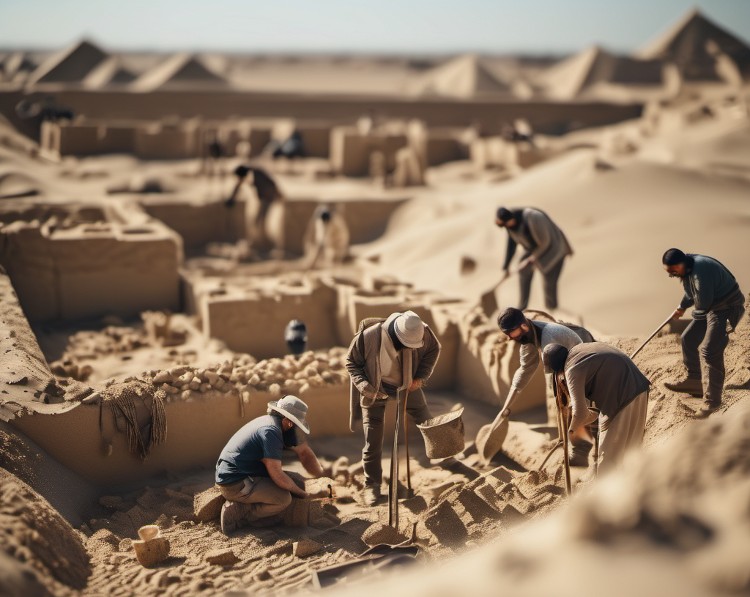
(443, 435)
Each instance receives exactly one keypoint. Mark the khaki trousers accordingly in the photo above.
(622, 433)
(259, 497)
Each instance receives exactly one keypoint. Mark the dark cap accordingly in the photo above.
(554, 357)
(510, 319)
(673, 257)
(503, 214)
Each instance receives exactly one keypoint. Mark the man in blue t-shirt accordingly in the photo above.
(248, 472)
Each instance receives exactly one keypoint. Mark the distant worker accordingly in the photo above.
(601, 382)
(546, 249)
(718, 305)
(267, 192)
(327, 237)
(249, 473)
(291, 148)
(295, 336)
(534, 336)
(391, 356)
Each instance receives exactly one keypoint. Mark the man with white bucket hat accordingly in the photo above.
(249, 473)
(388, 357)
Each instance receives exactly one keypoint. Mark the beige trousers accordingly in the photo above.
(259, 497)
(622, 433)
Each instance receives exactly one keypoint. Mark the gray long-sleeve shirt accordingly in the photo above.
(541, 238)
(603, 375)
(707, 284)
(544, 333)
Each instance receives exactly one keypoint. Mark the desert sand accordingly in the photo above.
(142, 318)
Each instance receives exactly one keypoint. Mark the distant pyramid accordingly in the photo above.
(109, 73)
(692, 45)
(464, 77)
(594, 66)
(71, 65)
(181, 71)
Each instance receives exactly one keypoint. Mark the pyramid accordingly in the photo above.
(109, 73)
(692, 44)
(71, 65)
(572, 77)
(181, 71)
(464, 77)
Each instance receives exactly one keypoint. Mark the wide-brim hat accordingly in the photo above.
(293, 409)
(409, 329)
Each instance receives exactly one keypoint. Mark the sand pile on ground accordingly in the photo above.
(37, 536)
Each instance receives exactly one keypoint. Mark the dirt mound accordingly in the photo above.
(36, 536)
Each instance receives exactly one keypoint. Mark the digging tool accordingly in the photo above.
(490, 437)
(488, 300)
(656, 331)
(550, 453)
(410, 492)
(393, 485)
(562, 425)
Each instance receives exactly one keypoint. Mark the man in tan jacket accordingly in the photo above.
(393, 356)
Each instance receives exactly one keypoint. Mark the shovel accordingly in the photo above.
(490, 437)
(488, 300)
(393, 484)
(656, 331)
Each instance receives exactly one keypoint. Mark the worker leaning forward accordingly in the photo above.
(718, 305)
(391, 356)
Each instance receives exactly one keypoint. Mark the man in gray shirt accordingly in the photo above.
(545, 249)
(601, 381)
(533, 337)
(718, 305)
(248, 471)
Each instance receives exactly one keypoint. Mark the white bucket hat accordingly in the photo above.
(409, 329)
(293, 409)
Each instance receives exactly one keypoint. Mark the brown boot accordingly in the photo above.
(708, 407)
(689, 385)
(578, 454)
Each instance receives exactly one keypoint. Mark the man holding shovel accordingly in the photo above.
(545, 250)
(387, 359)
(533, 336)
(598, 380)
(718, 305)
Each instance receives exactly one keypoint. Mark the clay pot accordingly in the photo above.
(152, 549)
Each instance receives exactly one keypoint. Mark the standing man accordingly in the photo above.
(388, 357)
(267, 192)
(327, 236)
(598, 375)
(718, 306)
(534, 336)
(545, 250)
(248, 472)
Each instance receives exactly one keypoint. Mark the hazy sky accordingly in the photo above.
(359, 25)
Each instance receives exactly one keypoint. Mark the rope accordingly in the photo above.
(124, 401)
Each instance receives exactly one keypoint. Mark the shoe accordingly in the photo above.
(689, 385)
(578, 454)
(231, 517)
(707, 408)
(371, 495)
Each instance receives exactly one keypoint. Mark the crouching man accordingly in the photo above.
(248, 472)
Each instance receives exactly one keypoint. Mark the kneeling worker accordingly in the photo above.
(248, 472)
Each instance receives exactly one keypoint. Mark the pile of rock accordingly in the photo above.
(243, 374)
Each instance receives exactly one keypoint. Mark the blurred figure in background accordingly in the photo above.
(327, 237)
(295, 336)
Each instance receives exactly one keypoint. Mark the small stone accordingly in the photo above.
(221, 557)
(380, 533)
(207, 504)
(305, 547)
(162, 377)
(262, 575)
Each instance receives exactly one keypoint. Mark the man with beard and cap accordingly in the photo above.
(533, 336)
(718, 305)
(391, 356)
(600, 381)
(545, 250)
(249, 473)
